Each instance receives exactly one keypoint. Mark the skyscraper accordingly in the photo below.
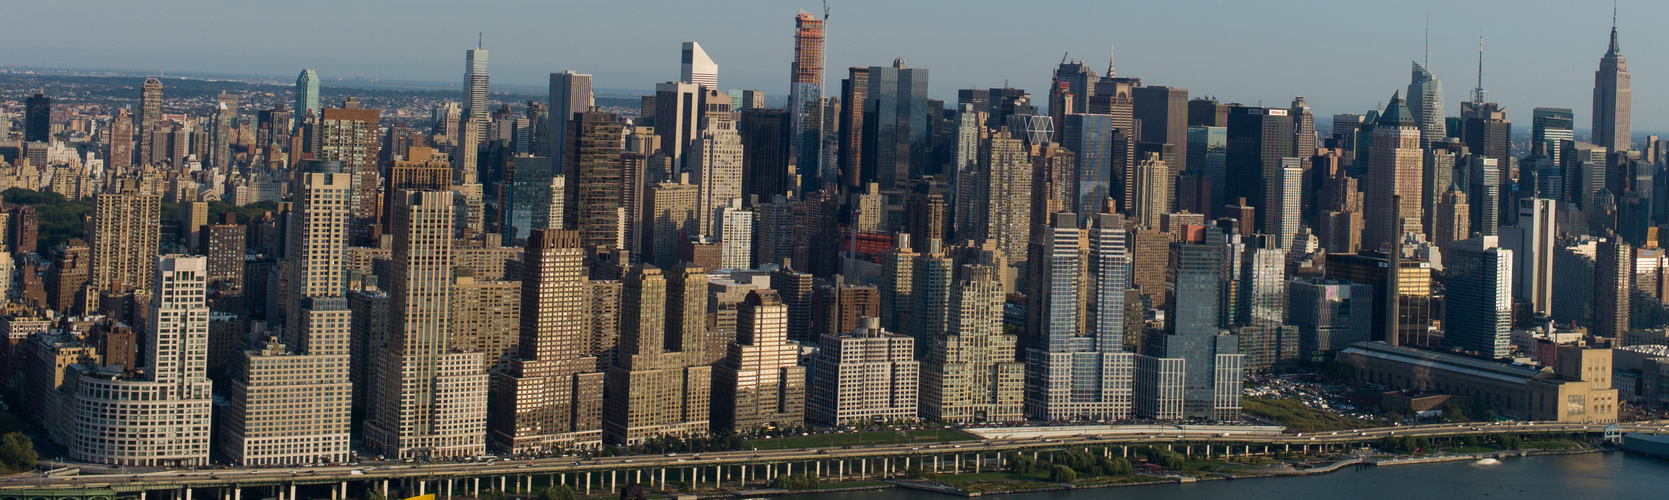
(766, 136)
(316, 235)
(759, 383)
(118, 153)
(971, 373)
(715, 162)
(1394, 169)
(1163, 113)
(476, 115)
(805, 97)
(1425, 105)
(1613, 99)
(1091, 137)
(150, 115)
(1478, 311)
(174, 392)
(351, 136)
(1213, 366)
(551, 397)
(697, 68)
(1257, 140)
(678, 112)
(593, 178)
(126, 228)
(431, 400)
(1208, 156)
(1076, 367)
(307, 96)
(854, 92)
(37, 118)
(570, 93)
(658, 386)
(1531, 243)
(1549, 126)
(895, 135)
(1613, 278)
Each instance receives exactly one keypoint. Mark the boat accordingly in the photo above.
(1651, 444)
(1488, 461)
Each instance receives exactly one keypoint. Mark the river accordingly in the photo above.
(1592, 475)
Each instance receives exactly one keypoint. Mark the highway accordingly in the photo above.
(1003, 440)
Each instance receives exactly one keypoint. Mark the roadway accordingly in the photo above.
(1005, 441)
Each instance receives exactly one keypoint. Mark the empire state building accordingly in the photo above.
(1613, 99)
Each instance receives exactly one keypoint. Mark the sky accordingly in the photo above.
(1342, 56)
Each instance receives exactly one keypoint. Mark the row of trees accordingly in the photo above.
(1064, 467)
(679, 444)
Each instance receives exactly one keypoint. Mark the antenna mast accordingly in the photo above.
(1428, 41)
(1478, 93)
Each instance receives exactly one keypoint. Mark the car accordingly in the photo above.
(627, 460)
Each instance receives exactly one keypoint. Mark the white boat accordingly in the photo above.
(1488, 461)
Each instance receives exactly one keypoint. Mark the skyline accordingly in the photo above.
(1524, 67)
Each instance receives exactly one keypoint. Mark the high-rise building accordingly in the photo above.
(1485, 130)
(71, 265)
(1303, 131)
(118, 153)
(1451, 218)
(150, 116)
(307, 96)
(316, 235)
(570, 93)
(552, 395)
(1163, 114)
(1261, 304)
(1076, 367)
(1154, 187)
(715, 162)
(1213, 367)
(735, 236)
(1090, 136)
(1208, 157)
(697, 68)
(351, 136)
(654, 388)
(1549, 127)
(1395, 165)
(971, 374)
(476, 116)
(1478, 309)
(760, 382)
(269, 419)
(1613, 278)
(431, 400)
(766, 138)
(805, 97)
(1425, 105)
(1004, 178)
(126, 227)
(1485, 193)
(173, 394)
(895, 135)
(854, 92)
(1400, 319)
(1257, 140)
(1531, 243)
(37, 118)
(671, 217)
(1330, 314)
(863, 375)
(1613, 99)
(593, 198)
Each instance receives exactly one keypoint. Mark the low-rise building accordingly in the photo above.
(1576, 389)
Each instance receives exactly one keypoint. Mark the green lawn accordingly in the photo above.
(1295, 414)
(957, 479)
(929, 436)
(1108, 480)
(850, 484)
(1470, 449)
(1548, 445)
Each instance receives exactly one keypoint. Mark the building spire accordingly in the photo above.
(1613, 51)
(1428, 40)
(1110, 72)
(479, 37)
(1478, 93)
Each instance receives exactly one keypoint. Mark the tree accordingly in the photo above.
(491, 495)
(1019, 463)
(1121, 467)
(17, 453)
(374, 494)
(1471, 441)
(558, 492)
(1062, 474)
(798, 482)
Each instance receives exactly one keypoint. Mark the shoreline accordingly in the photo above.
(944, 489)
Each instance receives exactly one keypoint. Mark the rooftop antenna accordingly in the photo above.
(479, 37)
(1063, 58)
(1428, 40)
(825, 10)
(1478, 93)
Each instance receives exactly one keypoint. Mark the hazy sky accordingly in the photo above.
(1342, 56)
